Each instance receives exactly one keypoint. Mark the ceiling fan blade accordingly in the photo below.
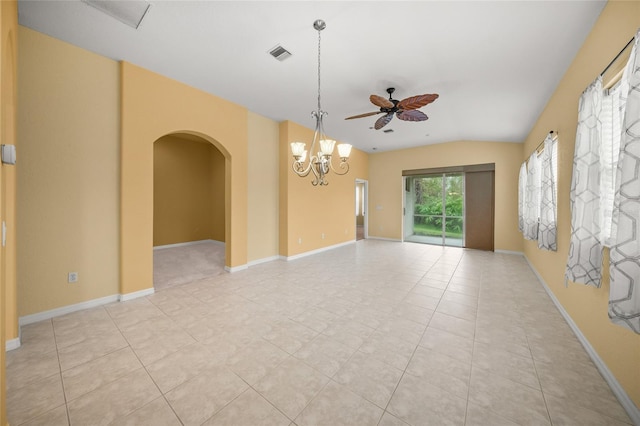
(415, 102)
(380, 101)
(366, 114)
(383, 121)
(412, 115)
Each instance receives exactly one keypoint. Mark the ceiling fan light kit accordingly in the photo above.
(406, 109)
(320, 162)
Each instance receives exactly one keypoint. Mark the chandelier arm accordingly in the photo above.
(300, 170)
(342, 166)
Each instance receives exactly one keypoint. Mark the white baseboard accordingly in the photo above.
(384, 239)
(519, 253)
(136, 294)
(188, 243)
(616, 388)
(40, 316)
(320, 250)
(263, 260)
(12, 344)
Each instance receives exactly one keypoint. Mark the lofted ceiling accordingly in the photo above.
(494, 63)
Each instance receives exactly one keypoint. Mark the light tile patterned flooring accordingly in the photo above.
(371, 333)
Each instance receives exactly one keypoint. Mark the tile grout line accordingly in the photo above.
(423, 332)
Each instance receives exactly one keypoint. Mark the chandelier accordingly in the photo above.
(319, 162)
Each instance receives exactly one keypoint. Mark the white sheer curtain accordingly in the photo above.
(624, 296)
(585, 250)
(547, 227)
(522, 184)
(613, 104)
(532, 199)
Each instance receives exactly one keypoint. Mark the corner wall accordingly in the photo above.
(386, 184)
(8, 308)
(262, 215)
(68, 174)
(619, 348)
(315, 217)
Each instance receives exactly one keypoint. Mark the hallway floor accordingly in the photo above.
(371, 333)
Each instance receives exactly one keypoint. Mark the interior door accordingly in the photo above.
(479, 210)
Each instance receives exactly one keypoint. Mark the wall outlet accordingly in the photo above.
(323, 235)
(72, 277)
(299, 240)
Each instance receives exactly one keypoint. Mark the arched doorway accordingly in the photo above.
(188, 210)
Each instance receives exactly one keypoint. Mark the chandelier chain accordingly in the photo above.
(319, 107)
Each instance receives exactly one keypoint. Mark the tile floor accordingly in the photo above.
(374, 333)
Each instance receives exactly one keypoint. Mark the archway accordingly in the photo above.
(188, 210)
(154, 106)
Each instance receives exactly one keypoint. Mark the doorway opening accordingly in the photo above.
(188, 210)
(434, 209)
(361, 209)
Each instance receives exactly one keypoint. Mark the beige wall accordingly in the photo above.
(308, 212)
(67, 201)
(263, 226)
(188, 191)
(618, 347)
(386, 184)
(154, 106)
(8, 99)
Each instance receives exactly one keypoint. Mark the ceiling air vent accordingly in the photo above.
(280, 53)
(388, 131)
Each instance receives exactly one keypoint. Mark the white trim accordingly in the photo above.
(320, 250)
(188, 243)
(136, 294)
(233, 269)
(12, 344)
(40, 316)
(263, 260)
(519, 253)
(616, 388)
(384, 239)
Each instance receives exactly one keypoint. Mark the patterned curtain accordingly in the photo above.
(548, 223)
(532, 199)
(624, 296)
(585, 250)
(522, 183)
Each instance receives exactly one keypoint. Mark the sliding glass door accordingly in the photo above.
(434, 209)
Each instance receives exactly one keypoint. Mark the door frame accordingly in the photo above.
(365, 206)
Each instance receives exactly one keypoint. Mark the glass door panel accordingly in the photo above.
(454, 209)
(434, 207)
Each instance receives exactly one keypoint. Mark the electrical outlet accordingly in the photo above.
(299, 240)
(72, 277)
(323, 235)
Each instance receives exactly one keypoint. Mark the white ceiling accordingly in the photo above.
(494, 63)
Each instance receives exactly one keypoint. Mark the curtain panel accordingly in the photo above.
(547, 227)
(624, 296)
(532, 199)
(522, 184)
(585, 250)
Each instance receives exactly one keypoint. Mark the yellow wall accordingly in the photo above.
(262, 216)
(188, 191)
(618, 347)
(8, 314)
(154, 106)
(68, 127)
(308, 212)
(386, 184)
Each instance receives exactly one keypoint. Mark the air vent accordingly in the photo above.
(280, 53)
(388, 131)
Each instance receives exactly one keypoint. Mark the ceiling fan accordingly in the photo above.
(406, 109)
